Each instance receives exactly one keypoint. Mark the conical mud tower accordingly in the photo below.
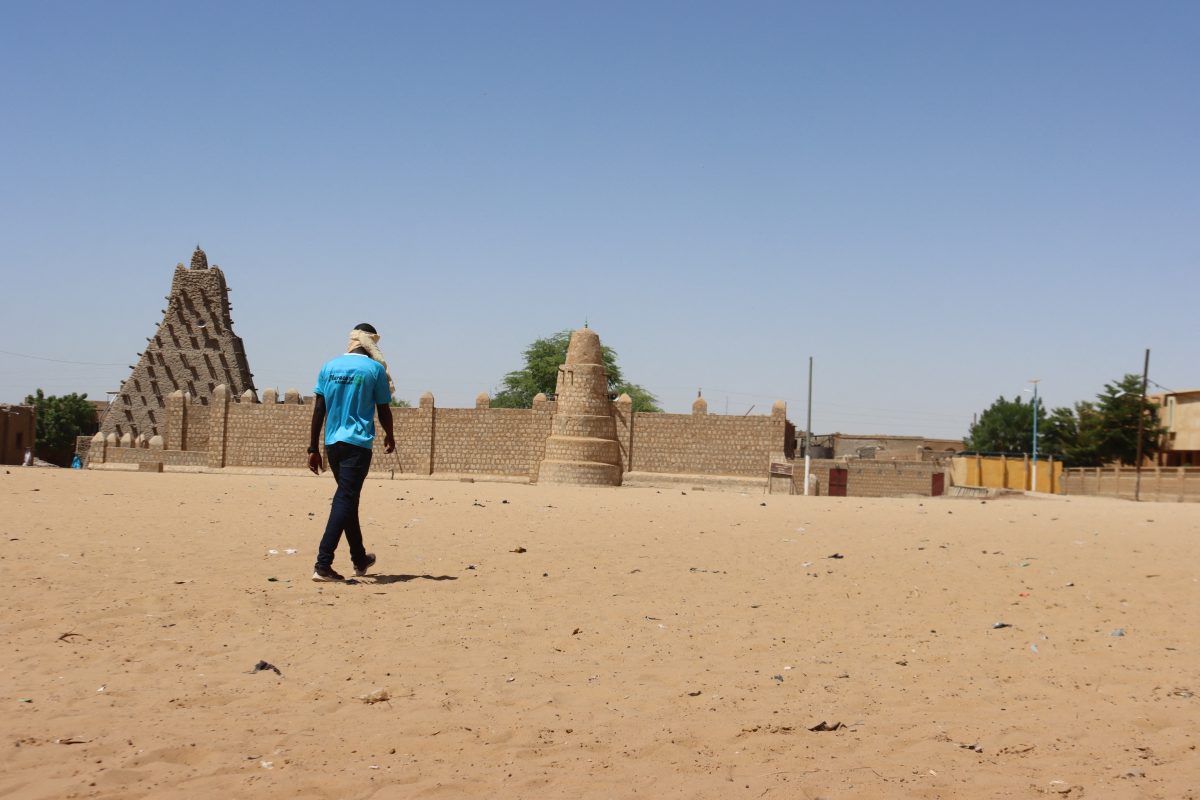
(194, 350)
(582, 448)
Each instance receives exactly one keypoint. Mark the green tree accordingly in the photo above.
(642, 399)
(540, 375)
(60, 419)
(1061, 431)
(1006, 426)
(1073, 434)
(1088, 434)
(1119, 407)
(398, 402)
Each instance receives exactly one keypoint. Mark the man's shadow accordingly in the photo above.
(382, 579)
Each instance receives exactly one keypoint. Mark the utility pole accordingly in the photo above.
(1137, 484)
(808, 431)
(1033, 482)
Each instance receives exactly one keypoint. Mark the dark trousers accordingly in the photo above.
(349, 464)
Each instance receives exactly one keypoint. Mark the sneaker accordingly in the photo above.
(326, 574)
(361, 569)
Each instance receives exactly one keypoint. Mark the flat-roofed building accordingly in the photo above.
(884, 447)
(1179, 413)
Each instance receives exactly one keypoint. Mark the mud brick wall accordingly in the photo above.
(873, 478)
(705, 444)
(142, 455)
(543, 418)
(83, 445)
(233, 431)
(267, 435)
(493, 441)
(623, 417)
(413, 428)
(186, 425)
(276, 434)
(240, 432)
(197, 431)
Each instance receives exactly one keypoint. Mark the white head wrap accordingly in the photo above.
(370, 343)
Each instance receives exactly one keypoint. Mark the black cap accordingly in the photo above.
(366, 326)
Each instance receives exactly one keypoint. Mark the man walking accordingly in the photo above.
(350, 390)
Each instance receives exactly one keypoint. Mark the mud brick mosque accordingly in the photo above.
(190, 404)
(194, 350)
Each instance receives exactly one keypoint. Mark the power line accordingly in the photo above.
(62, 360)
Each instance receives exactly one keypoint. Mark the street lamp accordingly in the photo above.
(1033, 478)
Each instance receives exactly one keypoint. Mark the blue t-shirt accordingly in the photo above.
(352, 386)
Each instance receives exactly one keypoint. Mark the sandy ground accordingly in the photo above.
(646, 643)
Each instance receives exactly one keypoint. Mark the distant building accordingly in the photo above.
(883, 447)
(16, 433)
(1179, 413)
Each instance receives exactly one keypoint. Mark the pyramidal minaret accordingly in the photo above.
(194, 350)
(582, 447)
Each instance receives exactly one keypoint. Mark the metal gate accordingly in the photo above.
(939, 484)
(837, 482)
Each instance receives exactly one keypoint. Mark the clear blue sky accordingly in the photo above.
(938, 201)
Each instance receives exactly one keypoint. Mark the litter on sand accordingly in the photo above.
(823, 726)
(377, 696)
